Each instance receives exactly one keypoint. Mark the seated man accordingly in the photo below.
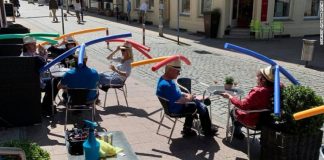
(81, 77)
(260, 97)
(168, 89)
(57, 50)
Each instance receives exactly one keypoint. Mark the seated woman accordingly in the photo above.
(122, 70)
(260, 97)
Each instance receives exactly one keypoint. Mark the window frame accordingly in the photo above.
(318, 11)
(289, 13)
(181, 8)
(200, 9)
(150, 6)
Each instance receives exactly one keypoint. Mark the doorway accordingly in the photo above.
(242, 13)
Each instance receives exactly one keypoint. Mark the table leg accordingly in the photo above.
(228, 118)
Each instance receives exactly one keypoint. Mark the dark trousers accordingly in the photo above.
(203, 115)
(47, 99)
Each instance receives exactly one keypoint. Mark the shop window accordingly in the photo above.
(185, 7)
(150, 3)
(312, 8)
(282, 8)
(204, 6)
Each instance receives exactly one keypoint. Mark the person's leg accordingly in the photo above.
(204, 118)
(47, 99)
(54, 15)
(78, 16)
(187, 131)
(237, 127)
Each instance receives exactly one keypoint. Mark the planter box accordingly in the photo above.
(281, 146)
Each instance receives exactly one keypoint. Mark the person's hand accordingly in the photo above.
(113, 68)
(226, 95)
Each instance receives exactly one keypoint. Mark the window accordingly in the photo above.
(185, 6)
(205, 6)
(282, 8)
(150, 3)
(312, 8)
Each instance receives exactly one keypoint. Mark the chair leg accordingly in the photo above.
(125, 89)
(66, 115)
(248, 142)
(105, 99)
(175, 121)
(160, 124)
(93, 112)
(117, 97)
(125, 97)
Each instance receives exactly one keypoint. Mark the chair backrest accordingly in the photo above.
(78, 96)
(184, 84)
(165, 104)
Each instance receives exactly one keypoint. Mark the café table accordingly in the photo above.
(217, 90)
(57, 72)
(118, 140)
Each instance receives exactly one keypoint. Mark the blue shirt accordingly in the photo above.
(170, 91)
(83, 77)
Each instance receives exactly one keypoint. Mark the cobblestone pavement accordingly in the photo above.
(208, 64)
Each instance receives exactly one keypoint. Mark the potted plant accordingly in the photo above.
(227, 30)
(229, 82)
(290, 139)
(32, 150)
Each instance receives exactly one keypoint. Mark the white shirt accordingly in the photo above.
(77, 6)
(144, 7)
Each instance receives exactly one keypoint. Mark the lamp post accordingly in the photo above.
(161, 18)
(178, 21)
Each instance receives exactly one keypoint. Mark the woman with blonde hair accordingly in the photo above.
(122, 70)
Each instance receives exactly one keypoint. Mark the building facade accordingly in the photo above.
(299, 17)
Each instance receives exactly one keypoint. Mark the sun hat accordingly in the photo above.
(70, 40)
(267, 73)
(175, 64)
(76, 55)
(126, 46)
(29, 39)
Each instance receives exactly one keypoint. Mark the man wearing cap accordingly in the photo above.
(69, 43)
(81, 77)
(260, 97)
(168, 89)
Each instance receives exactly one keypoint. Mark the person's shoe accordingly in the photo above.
(188, 132)
(238, 135)
(211, 132)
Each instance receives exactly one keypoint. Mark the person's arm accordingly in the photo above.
(122, 73)
(112, 53)
(185, 98)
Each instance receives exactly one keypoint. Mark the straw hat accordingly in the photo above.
(29, 39)
(267, 73)
(70, 40)
(175, 64)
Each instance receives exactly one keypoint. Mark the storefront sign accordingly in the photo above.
(264, 10)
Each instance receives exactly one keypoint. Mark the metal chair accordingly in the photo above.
(165, 105)
(122, 87)
(264, 114)
(77, 100)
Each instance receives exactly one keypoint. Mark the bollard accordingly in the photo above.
(307, 51)
(143, 34)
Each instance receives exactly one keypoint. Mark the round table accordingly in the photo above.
(217, 90)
